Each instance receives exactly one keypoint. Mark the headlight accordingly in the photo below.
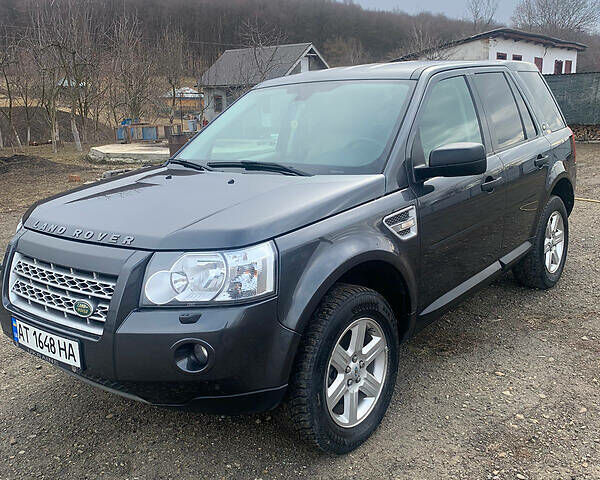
(203, 277)
(19, 225)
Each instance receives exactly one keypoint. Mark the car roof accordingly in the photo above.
(412, 70)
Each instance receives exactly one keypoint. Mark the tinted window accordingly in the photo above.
(343, 127)
(501, 109)
(542, 101)
(528, 123)
(448, 116)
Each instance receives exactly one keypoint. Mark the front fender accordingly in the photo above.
(315, 257)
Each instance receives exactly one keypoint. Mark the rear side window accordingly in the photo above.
(542, 101)
(530, 130)
(501, 109)
(448, 116)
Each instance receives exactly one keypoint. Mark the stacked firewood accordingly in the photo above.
(586, 133)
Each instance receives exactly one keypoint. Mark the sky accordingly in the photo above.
(452, 8)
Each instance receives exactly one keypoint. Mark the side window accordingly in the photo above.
(501, 109)
(447, 116)
(542, 102)
(528, 123)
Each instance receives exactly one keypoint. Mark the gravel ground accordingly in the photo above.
(504, 387)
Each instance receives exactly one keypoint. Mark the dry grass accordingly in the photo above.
(67, 154)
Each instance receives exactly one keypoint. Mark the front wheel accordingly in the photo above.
(346, 369)
(543, 265)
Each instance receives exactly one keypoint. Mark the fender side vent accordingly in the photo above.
(402, 223)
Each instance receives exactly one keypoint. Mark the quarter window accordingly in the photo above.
(501, 109)
(448, 116)
(542, 102)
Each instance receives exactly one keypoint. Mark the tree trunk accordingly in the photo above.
(76, 138)
(1, 140)
(28, 134)
(16, 134)
(54, 135)
(172, 115)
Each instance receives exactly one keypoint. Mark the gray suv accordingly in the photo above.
(288, 249)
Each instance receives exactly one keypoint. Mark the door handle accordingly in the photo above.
(541, 160)
(490, 183)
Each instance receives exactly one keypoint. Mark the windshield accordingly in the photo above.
(336, 127)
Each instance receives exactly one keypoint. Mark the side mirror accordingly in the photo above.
(454, 160)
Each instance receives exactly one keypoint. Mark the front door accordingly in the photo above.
(460, 219)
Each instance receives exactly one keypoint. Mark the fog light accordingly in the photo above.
(192, 356)
(201, 354)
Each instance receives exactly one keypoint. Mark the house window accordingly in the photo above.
(518, 58)
(218, 99)
(500, 56)
(558, 67)
(568, 66)
(539, 62)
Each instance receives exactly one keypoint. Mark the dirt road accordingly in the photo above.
(505, 387)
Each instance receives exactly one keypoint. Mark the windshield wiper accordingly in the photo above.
(266, 166)
(193, 165)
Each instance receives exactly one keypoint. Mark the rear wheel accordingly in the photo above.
(346, 369)
(543, 265)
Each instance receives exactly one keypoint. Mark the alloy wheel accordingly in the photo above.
(554, 242)
(356, 372)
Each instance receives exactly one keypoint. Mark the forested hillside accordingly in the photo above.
(339, 29)
(346, 33)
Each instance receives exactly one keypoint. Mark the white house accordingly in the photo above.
(235, 71)
(551, 55)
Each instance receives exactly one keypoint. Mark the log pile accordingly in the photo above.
(586, 133)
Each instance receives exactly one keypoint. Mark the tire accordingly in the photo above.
(345, 310)
(532, 271)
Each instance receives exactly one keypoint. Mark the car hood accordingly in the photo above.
(177, 208)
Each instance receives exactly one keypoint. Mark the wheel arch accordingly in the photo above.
(563, 188)
(388, 281)
(385, 272)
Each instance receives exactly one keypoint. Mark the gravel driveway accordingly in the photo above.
(506, 386)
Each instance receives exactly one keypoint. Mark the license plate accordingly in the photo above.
(49, 346)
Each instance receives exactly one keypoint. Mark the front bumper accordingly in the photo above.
(250, 352)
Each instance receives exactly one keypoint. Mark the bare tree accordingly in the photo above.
(132, 70)
(564, 17)
(72, 37)
(50, 74)
(173, 62)
(26, 85)
(482, 13)
(263, 43)
(345, 51)
(255, 63)
(423, 43)
(8, 66)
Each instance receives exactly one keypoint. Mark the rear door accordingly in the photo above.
(460, 218)
(553, 125)
(521, 149)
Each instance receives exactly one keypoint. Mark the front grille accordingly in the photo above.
(51, 291)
